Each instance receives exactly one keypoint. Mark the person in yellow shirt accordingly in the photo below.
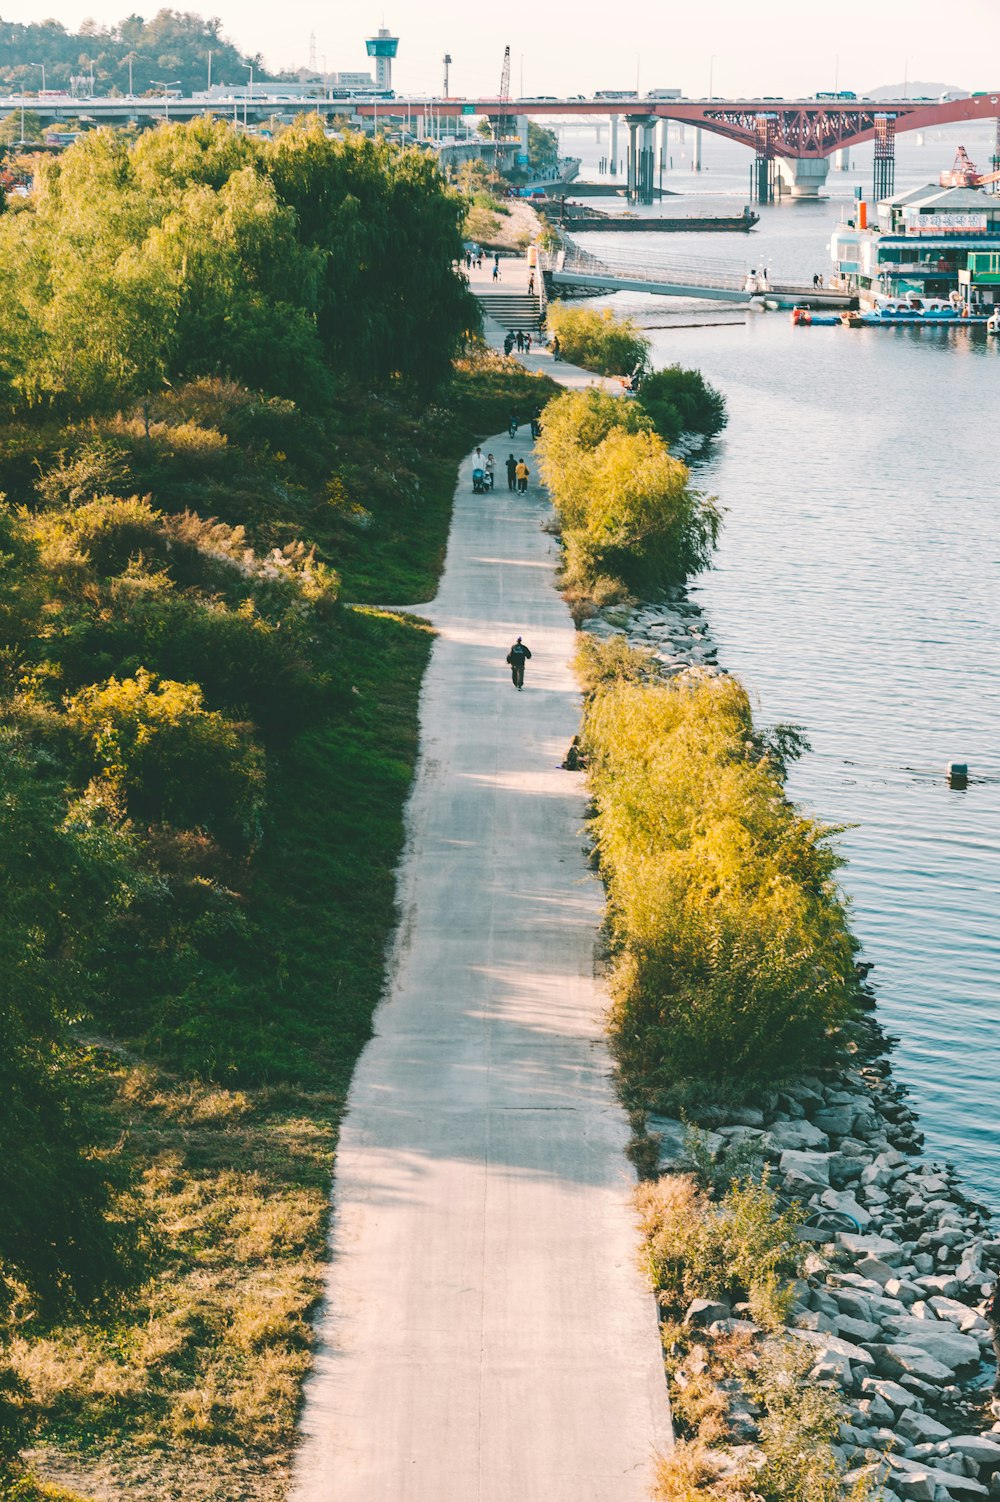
(522, 476)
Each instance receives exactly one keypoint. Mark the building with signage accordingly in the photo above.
(930, 242)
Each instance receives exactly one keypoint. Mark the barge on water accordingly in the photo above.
(573, 216)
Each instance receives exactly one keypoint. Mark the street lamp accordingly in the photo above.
(130, 59)
(248, 95)
(42, 66)
(173, 83)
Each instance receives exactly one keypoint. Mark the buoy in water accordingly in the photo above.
(958, 774)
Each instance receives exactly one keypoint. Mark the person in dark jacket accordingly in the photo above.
(511, 463)
(517, 657)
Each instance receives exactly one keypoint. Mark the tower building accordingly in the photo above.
(382, 48)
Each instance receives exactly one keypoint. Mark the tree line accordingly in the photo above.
(174, 45)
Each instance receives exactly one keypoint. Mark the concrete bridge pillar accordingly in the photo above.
(613, 147)
(664, 143)
(522, 132)
(647, 161)
(633, 159)
(696, 162)
(801, 176)
(842, 160)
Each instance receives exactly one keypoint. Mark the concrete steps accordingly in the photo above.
(513, 310)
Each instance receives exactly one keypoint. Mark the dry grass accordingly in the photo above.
(212, 1354)
(690, 1473)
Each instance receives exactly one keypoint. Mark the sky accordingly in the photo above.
(734, 47)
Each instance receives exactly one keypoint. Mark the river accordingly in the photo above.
(856, 592)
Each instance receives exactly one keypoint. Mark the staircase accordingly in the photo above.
(512, 310)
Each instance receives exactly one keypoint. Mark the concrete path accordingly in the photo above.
(487, 1336)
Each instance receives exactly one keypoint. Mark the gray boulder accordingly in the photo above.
(814, 1167)
(797, 1135)
(938, 1338)
(899, 1360)
(920, 1427)
(860, 1245)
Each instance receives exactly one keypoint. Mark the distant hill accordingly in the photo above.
(915, 90)
(173, 45)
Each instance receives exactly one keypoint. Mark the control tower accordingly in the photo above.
(383, 49)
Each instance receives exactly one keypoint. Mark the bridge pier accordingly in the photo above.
(632, 159)
(522, 131)
(613, 145)
(696, 160)
(801, 176)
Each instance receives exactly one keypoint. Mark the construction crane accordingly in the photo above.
(501, 129)
(965, 174)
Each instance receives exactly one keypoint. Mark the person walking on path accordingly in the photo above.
(531, 284)
(555, 346)
(517, 657)
(511, 472)
(491, 465)
(522, 476)
(496, 271)
(520, 342)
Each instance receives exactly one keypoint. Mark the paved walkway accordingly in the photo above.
(487, 1336)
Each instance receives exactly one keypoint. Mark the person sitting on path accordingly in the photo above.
(522, 476)
(517, 657)
(511, 472)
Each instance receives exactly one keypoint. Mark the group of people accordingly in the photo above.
(520, 339)
(756, 281)
(474, 258)
(484, 472)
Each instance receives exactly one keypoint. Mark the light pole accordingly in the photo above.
(174, 83)
(130, 59)
(22, 142)
(210, 70)
(248, 95)
(42, 66)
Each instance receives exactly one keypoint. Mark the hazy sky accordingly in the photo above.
(563, 48)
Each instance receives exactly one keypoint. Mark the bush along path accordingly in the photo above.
(818, 1280)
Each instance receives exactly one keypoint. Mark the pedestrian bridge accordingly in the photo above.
(715, 280)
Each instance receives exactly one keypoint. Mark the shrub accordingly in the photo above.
(733, 957)
(732, 1248)
(597, 339)
(681, 401)
(169, 758)
(627, 511)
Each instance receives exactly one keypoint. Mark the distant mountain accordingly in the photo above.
(174, 45)
(916, 90)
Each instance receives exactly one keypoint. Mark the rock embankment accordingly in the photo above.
(893, 1290)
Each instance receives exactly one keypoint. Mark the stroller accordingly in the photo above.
(479, 482)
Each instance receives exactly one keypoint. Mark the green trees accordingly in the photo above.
(199, 252)
(734, 957)
(682, 401)
(629, 517)
(174, 44)
(597, 339)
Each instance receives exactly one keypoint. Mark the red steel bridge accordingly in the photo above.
(784, 134)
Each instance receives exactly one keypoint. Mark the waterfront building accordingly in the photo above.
(931, 242)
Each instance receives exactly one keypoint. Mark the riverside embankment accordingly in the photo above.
(892, 1310)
